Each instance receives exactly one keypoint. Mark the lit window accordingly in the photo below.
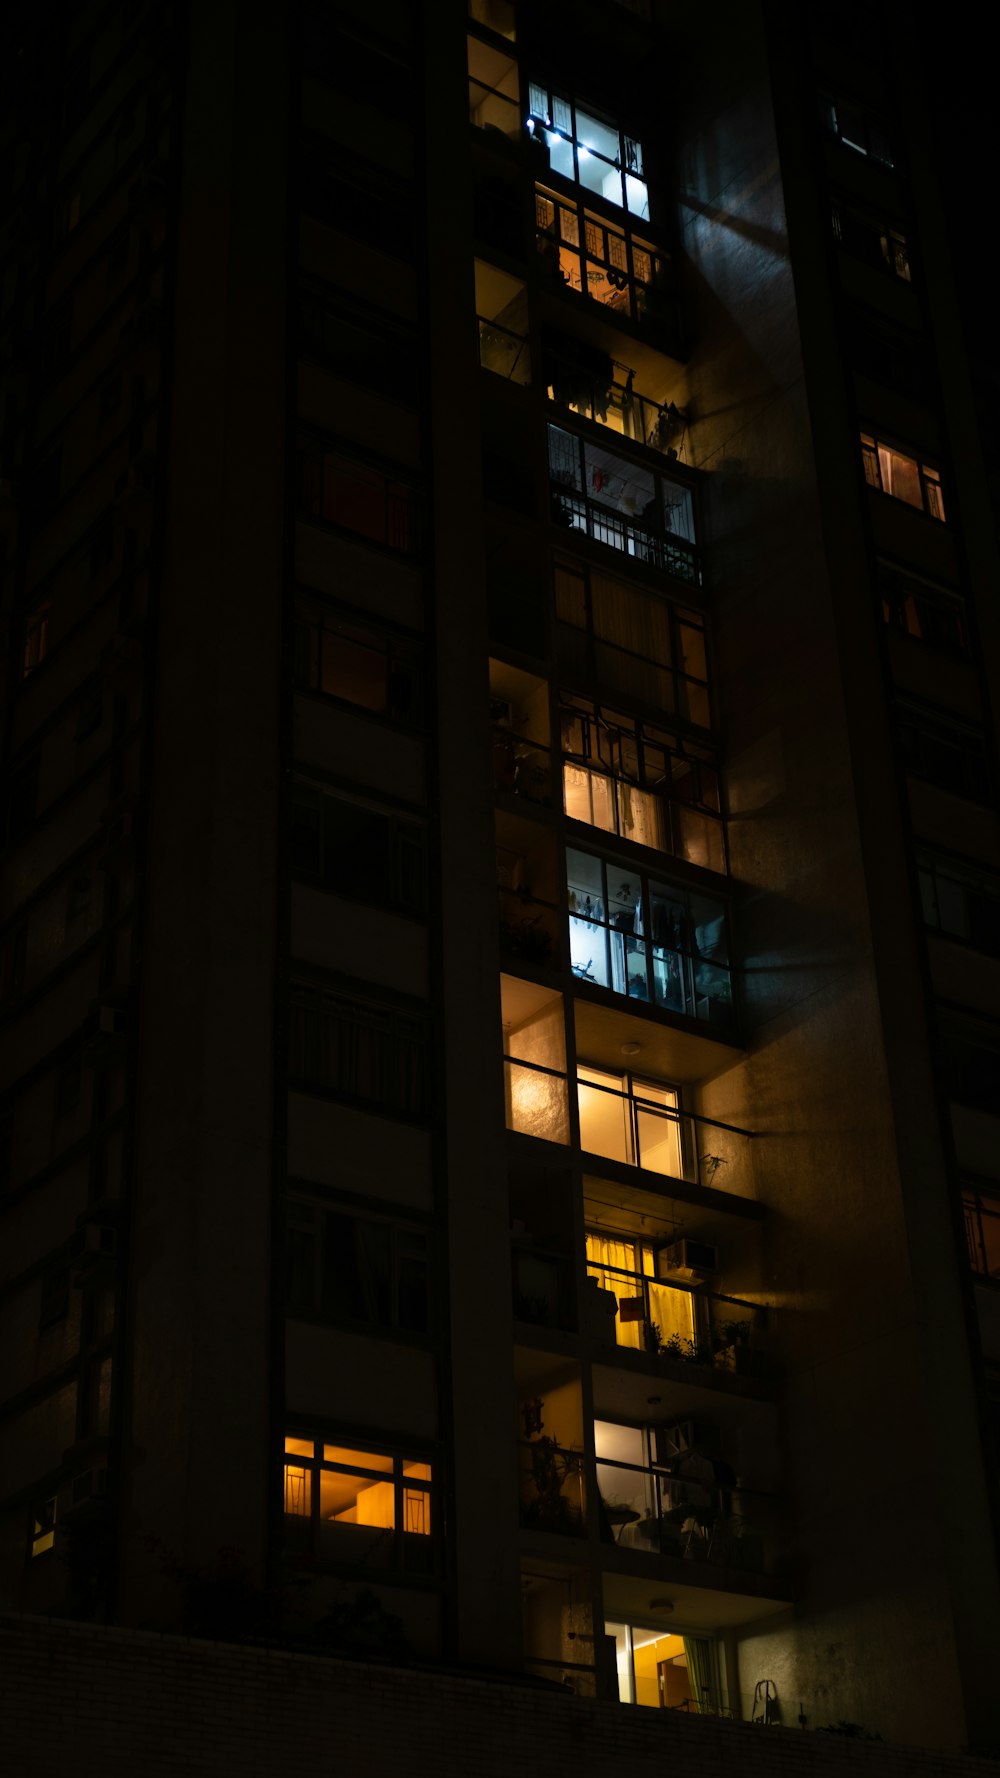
(634, 1121)
(631, 778)
(355, 1507)
(650, 941)
(589, 149)
(622, 504)
(43, 1527)
(357, 1270)
(902, 477)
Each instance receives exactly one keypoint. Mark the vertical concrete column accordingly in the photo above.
(196, 1434)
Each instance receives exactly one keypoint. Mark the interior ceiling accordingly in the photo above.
(630, 1598)
(662, 1053)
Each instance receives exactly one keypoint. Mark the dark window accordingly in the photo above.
(638, 642)
(361, 202)
(923, 608)
(36, 638)
(90, 710)
(359, 1048)
(357, 1269)
(367, 501)
(54, 1302)
(961, 900)
(22, 803)
(951, 755)
(369, 668)
(867, 236)
(366, 347)
(359, 852)
(982, 1231)
(858, 126)
(68, 1085)
(13, 960)
(971, 1067)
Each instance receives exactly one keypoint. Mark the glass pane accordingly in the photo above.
(357, 1459)
(900, 476)
(353, 671)
(659, 1142)
(571, 598)
(299, 1447)
(537, 1103)
(637, 196)
(591, 133)
(589, 796)
(640, 817)
(355, 1501)
(298, 1490)
(605, 1125)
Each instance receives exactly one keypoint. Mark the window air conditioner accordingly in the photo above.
(687, 1259)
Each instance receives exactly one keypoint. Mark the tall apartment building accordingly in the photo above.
(500, 924)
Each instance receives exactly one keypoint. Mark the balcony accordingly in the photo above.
(653, 942)
(646, 1311)
(665, 1492)
(622, 504)
(502, 319)
(587, 382)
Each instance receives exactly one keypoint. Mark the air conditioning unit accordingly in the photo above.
(687, 1259)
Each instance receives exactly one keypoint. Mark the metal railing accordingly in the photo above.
(611, 400)
(682, 1323)
(681, 1513)
(664, 1139)
(671, 555)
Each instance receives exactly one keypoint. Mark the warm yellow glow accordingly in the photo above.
(661, 1676)
(299, 1447)
(416, 1512)
(358, 1459)
(298, 1490)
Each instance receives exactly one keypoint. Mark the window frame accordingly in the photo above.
(406, 837)
(389, 1462)
(314, 627)
(648, 740)
(305, 1227)
(552, 118)
(877, 472)
(355, 1037)
(665, 962)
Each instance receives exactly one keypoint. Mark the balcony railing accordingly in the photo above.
(678, 1322)
(680, 1513)
(551, 1488)
(634, 538)
(609, 398)
(630, 1125)
(529, 928)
